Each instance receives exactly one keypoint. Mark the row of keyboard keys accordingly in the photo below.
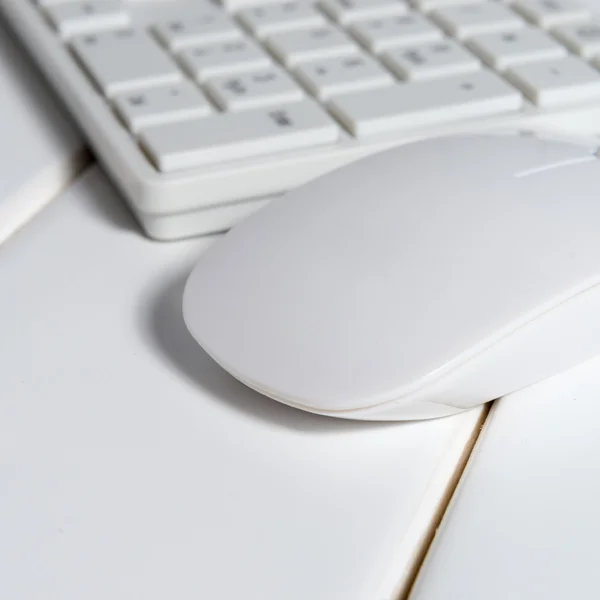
(211, 26)
(233, 136)
(269, 86)
(72, 17)
(266, 109)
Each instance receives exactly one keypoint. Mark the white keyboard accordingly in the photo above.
(202, 112)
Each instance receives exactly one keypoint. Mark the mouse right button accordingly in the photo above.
(499, 155)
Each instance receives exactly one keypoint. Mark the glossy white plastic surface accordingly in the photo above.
(466, 285)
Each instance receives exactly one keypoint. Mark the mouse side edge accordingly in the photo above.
(556, 341)
(475, 377)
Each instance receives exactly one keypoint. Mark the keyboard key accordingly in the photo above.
(428, 61)
(557, 82)
(223, 58)
(45, 3)
(265, 87)
(312, 44)
(347, 11)
(124, 60)
(502, 50)
(428, 5)
(205, 27)
(276, 18)
(378, 35)
(426, 103)
(165, 104)
(77, 18)
(550, 13)
(239, 135)
(584, 38)
(466, 20)
(343, 75)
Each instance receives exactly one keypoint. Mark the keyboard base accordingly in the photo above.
(206, 221)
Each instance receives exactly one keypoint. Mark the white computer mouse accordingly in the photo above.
(415, 283)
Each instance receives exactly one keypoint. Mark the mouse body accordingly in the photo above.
(412, 284)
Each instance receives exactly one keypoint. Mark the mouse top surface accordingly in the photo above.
(361, 286)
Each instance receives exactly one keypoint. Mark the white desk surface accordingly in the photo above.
(134, 467)
(524, 523)
(40, 149)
